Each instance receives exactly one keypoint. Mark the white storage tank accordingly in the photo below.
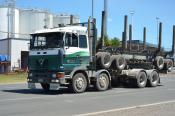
(16, 23)
(4, 22)
(32, 20)
(64, 19)
(9, 18)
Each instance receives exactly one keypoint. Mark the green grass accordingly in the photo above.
(13, 78)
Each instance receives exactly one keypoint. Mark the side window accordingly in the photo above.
(71, 40)
(82, 41)
(74, 40)
(68, 39)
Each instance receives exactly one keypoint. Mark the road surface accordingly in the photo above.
(18, 100)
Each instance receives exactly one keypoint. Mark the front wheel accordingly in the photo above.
(102, 82)
(79, 83)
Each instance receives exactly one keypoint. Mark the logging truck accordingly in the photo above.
(67, 57)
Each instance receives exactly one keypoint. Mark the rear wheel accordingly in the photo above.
(102, 82)
(79, 83)
(104, 59)
(118, 62)
(141, 80)
(153, 80)
(159, 62)
(45, 86)
(168, 64)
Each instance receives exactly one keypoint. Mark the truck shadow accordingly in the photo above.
(39, 91)
(64, 90)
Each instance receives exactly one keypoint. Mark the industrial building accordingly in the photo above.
(16, 25)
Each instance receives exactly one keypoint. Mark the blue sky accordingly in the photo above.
(145, 14)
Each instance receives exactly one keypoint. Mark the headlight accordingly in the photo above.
(30, 74)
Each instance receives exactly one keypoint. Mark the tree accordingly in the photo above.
(107, 41)
(115, 42)
(111, 41)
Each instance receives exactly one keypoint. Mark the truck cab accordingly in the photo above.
(55, 53)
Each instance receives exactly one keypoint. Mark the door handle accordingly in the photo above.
(78, 56)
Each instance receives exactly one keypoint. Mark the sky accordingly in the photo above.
(145, 13)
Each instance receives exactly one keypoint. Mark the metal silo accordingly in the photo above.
(4, 22)
(15, 33)
(33, 19)
(9, 22)
(64, 19)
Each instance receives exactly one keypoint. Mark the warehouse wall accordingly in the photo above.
(4, 47)
(18, 45)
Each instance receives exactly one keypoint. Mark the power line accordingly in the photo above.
(13, 33)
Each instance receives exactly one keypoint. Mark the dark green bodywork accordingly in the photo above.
(58, 63)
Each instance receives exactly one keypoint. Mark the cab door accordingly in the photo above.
(84, 55)
(71, 57)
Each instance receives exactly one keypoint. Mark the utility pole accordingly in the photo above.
(131, 30)
(106, 15)
(132, 14)
(92, 8)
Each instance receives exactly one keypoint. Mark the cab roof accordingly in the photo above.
(71, 29)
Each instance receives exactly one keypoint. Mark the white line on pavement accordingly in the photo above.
(126, 108)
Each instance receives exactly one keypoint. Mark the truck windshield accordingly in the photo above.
(46, 40)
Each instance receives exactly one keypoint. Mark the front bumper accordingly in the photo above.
(52, 86)
(45, 77)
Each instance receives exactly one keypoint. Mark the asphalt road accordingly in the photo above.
(18, 100)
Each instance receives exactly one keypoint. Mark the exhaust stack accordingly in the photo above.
(102, 29)
(71, 19)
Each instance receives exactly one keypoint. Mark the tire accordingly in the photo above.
(79, 83)
(159, 63)
(168, 64)
(118, 62)
(153, 80)
(141, 80)
(104, 59)
(102, 82)
(45, 86)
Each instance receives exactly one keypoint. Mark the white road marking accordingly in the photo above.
(121, 91)
(69, 101)
(126, 108)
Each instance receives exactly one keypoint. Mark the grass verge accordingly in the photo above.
(13, 78)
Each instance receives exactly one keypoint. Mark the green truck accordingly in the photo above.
(66, 57)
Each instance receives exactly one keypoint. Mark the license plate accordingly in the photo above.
(54, 86)
(31, 85)
(40, 80)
